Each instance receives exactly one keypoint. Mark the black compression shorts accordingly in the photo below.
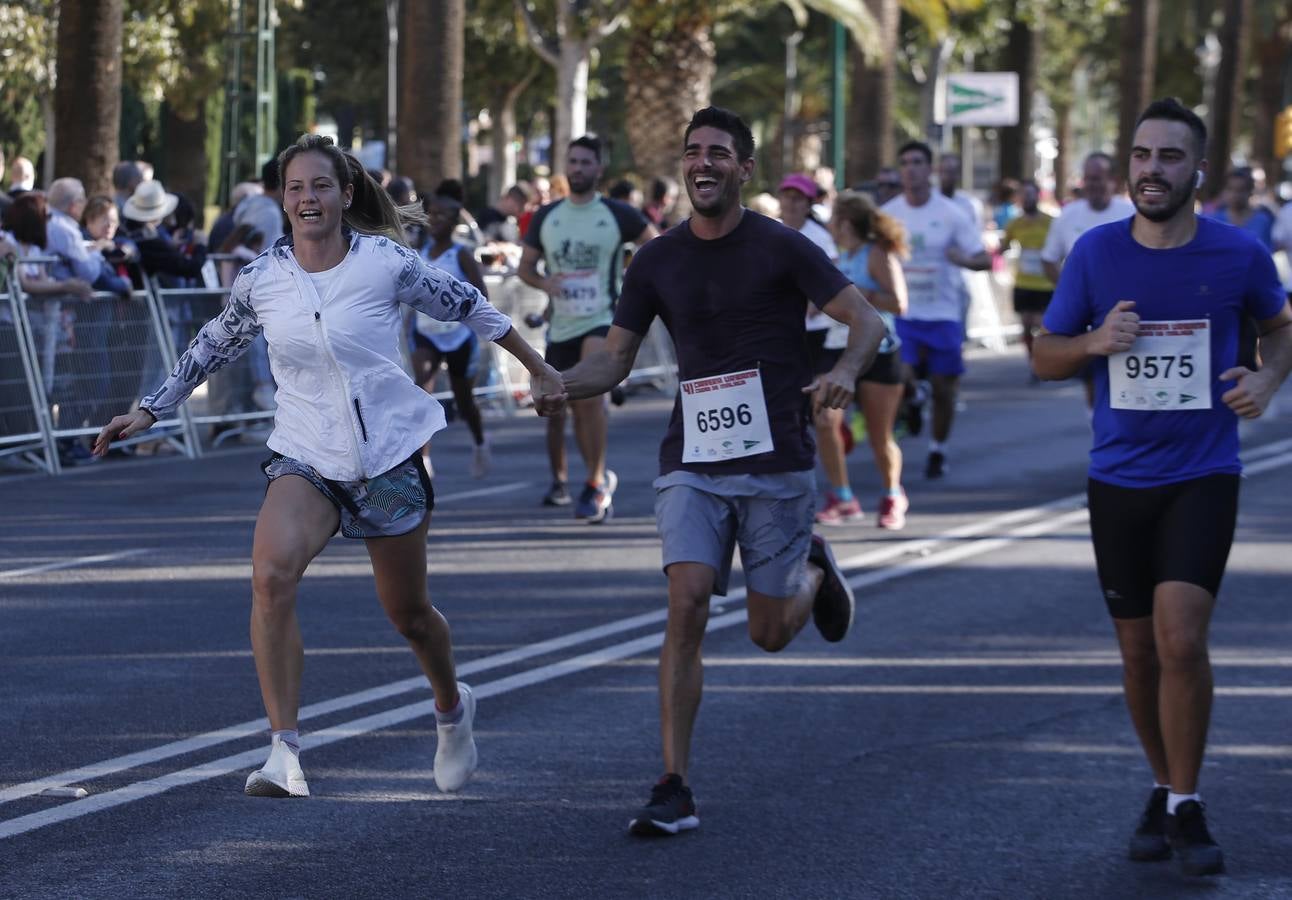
(1146, 536)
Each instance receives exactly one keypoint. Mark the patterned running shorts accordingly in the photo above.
(392, 503)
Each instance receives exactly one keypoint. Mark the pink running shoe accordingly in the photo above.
(892, 512)
(838, 512)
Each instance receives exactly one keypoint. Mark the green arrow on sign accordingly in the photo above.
(967, 99)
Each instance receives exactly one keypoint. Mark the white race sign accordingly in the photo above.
(724, 417)
(980, 98)
(1167, 368)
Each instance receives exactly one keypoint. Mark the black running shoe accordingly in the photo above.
(557, 495)
(1187, 831)
(936, 465)
(1148, 843)
(671, 809)
(832, 609)
(913, 410)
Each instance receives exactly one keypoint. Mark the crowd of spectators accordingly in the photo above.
(89, 331)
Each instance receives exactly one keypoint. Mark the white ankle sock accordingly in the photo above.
(291, 738)
(452, 717)
(1173, 800)
(937, 447)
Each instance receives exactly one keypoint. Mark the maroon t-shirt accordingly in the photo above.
(733, 304)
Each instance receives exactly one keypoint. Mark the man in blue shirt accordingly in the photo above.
(1237, 208)
(1157, 302)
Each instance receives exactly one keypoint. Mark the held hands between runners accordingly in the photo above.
(1120, 328)
(548, 391)
(122, 427)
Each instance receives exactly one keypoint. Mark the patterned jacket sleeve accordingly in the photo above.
(220, 342)
(441, 296)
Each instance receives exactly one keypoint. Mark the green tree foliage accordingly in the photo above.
(27, 29)
(344, 45)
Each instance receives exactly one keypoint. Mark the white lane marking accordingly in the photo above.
(1265, 465)
(483, 492)
(497, 660)
(216, 768)
(70, 563)
(580, 663)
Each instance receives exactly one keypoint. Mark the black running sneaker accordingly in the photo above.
(832, 610)
(671, 809)
(1148, 843)
(936, 466)
(557, 495)
(913, 409)
(1187, 831)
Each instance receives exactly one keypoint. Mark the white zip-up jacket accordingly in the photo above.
(346, 406)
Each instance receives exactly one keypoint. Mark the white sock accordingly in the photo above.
(937, 447)
(1173, 800)
(1156, 786)
(452, 717)
(291, 738)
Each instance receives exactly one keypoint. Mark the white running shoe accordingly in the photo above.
(280, 776)
(455, 750)
(481, 459)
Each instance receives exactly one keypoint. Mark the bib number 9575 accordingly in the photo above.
(1159, 366)
(1167, 368)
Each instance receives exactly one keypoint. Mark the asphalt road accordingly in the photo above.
(968, 739)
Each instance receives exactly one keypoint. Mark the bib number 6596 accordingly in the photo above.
(707, 420)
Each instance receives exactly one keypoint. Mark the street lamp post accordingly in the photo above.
(392, 57)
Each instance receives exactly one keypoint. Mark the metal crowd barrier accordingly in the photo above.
(68, 365)
(87, 360)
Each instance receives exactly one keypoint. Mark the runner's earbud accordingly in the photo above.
(1198, 178)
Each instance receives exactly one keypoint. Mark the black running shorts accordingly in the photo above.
(1146, 536)
(564, 355)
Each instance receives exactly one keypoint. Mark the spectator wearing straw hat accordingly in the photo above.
(146, 209)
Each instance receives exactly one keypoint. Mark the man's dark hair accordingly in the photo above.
(621, 190)
(452, 188)
(125, 176)
(1245, 173)
(1172, 110)
(270, 175)
(922, 147)
(588, 142)
(724, 120)
(660, 187)
(1099, 155)
(522, 192)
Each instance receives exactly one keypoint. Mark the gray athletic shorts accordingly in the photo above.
(386, 505)
(702, 518)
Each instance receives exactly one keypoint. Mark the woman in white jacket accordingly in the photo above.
(348, 431)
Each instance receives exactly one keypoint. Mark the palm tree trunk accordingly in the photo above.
(670, 66)
(1229, 90)
(185, 163)
(1062, 161)
(1271, 50)
(1139, 29)
(870, 116)
(1017, 156)
(430, 91)
(87, 94)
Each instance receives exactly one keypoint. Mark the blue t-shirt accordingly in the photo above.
(1260, 223)
(1223, 275)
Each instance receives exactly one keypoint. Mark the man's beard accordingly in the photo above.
(1176, 198)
